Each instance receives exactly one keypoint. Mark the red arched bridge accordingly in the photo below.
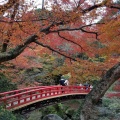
(31, 98)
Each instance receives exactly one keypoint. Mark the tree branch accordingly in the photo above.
(104, 3)
(8, 5)
(6, 56)
(46, 46)
(79, 28)
(70, 41)
(114, 6)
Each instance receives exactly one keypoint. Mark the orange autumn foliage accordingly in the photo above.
(67, 28)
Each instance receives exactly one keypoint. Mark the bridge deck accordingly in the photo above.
(20, 98)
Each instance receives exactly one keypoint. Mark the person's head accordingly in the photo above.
(62, 77)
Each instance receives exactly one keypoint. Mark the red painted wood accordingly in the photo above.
(19, 98)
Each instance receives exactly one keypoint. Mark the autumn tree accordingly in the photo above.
(64, 21)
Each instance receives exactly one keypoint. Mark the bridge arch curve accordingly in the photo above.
(28, 99)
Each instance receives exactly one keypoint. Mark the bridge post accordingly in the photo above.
(15, 99)
(5, 102)
(19, 99)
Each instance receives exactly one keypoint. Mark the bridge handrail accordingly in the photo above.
(36, 89)
(19, 90)
(44, 92)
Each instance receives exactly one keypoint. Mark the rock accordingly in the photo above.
(117, 116)
(52, 117)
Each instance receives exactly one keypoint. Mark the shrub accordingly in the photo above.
(6, 115)
(36, 115)
(6, 84)
(106, 102)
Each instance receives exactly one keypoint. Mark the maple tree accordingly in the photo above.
(68, 28)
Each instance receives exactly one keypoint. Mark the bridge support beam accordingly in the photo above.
(48, 102)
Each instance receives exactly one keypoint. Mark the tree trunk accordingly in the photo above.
(99, 90)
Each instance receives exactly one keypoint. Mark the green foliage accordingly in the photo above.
(106, 102)
(50, 74)
(36, 115)
(66, 76)
(61, 110)
(5, 84)
(82, 56)
(112, 108)
(92, 79)
(60, 60)
(56, 78)
(113, 103)
(110, 88)
(97, 44)
(95, 82)
(76, 115)
(104, 118)
(51, 61)
(58, 109)
(97, 58)
(65, 109)
(66, 47)
(6, 115)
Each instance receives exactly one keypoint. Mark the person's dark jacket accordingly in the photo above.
(62, 82)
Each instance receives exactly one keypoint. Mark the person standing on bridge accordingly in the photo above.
(62, 81)
(66, 82)
(86, 85)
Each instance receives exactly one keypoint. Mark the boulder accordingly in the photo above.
(52, 117)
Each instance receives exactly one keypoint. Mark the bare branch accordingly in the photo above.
(79, 28)
(6, 56)
(115, 7)
(52, 49)
(103, 4)
(70, 41)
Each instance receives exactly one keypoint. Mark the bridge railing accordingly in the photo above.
(19, 91)
(31, 95)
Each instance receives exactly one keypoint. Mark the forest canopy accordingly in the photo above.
(76, 29)
(85, 32)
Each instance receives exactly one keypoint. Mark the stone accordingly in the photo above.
(52, 117)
